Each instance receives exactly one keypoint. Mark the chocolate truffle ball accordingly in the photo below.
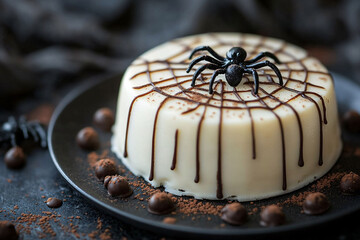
(54, 202)
(104, 119)
(160, 203)
(15, 158)
(350, 183)
(272, 216)
(234, 213)
(8, 231)
(117, 186)
(315, 203)
(105, 167)
(88, 139)
(351, 121)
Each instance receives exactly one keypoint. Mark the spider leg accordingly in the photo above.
(212, 80)
(22, 126)
(209, 49)
(262, 55)
(12, 122)
(12, 125)
(41, 132)
(32, 131)
(256, 78)
(269, 64)
(13, 140)
(204, 57)
(201, 69)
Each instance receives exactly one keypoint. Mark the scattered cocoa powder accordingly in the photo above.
(253, 211)
(321, 184)
(187, 206)
(105, 235)
(43, 221)
(296, 199)
(191, 206)
(93, 157)
(169, 220)
(99, 224)
(326, 181)
(47, 221)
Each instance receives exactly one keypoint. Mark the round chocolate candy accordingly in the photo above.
(351, 121)
(15, 158)
(104, 119)
(105, 167)
(88, 139)
(234, 213)
(160, 203)
(350, 183)
(54, 202)
(8, 231)
(315, 203)
(272, 216)
(117, 186)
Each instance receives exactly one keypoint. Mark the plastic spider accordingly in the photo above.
(12, 131)
(233, 66)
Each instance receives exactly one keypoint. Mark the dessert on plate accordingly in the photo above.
(209, 129)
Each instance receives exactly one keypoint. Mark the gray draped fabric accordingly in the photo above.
(46, 45)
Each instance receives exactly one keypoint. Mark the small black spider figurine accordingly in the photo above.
(12, 131)
(233, 66)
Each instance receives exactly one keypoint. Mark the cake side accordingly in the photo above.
(232, 143)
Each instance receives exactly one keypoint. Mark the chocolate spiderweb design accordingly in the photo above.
(226, 97)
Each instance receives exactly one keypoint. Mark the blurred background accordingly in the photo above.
(49, 47)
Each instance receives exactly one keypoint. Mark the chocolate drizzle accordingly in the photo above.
(219, 193)
(173, 164)
(199, 97)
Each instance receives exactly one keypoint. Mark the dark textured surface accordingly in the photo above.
(25, 191)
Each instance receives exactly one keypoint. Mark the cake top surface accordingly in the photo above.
(160, 77)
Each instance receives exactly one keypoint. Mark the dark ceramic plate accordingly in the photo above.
(75, 112)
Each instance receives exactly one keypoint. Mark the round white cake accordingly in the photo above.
(232, 143)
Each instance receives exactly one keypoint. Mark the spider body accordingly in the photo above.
(233, 66)
(13, 131)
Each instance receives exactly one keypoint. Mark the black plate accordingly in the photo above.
(75, 112)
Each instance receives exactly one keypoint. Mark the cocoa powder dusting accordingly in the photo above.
(325, 182)
(93, 157)
(47, 221)
(105, 235)
(191, 206)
